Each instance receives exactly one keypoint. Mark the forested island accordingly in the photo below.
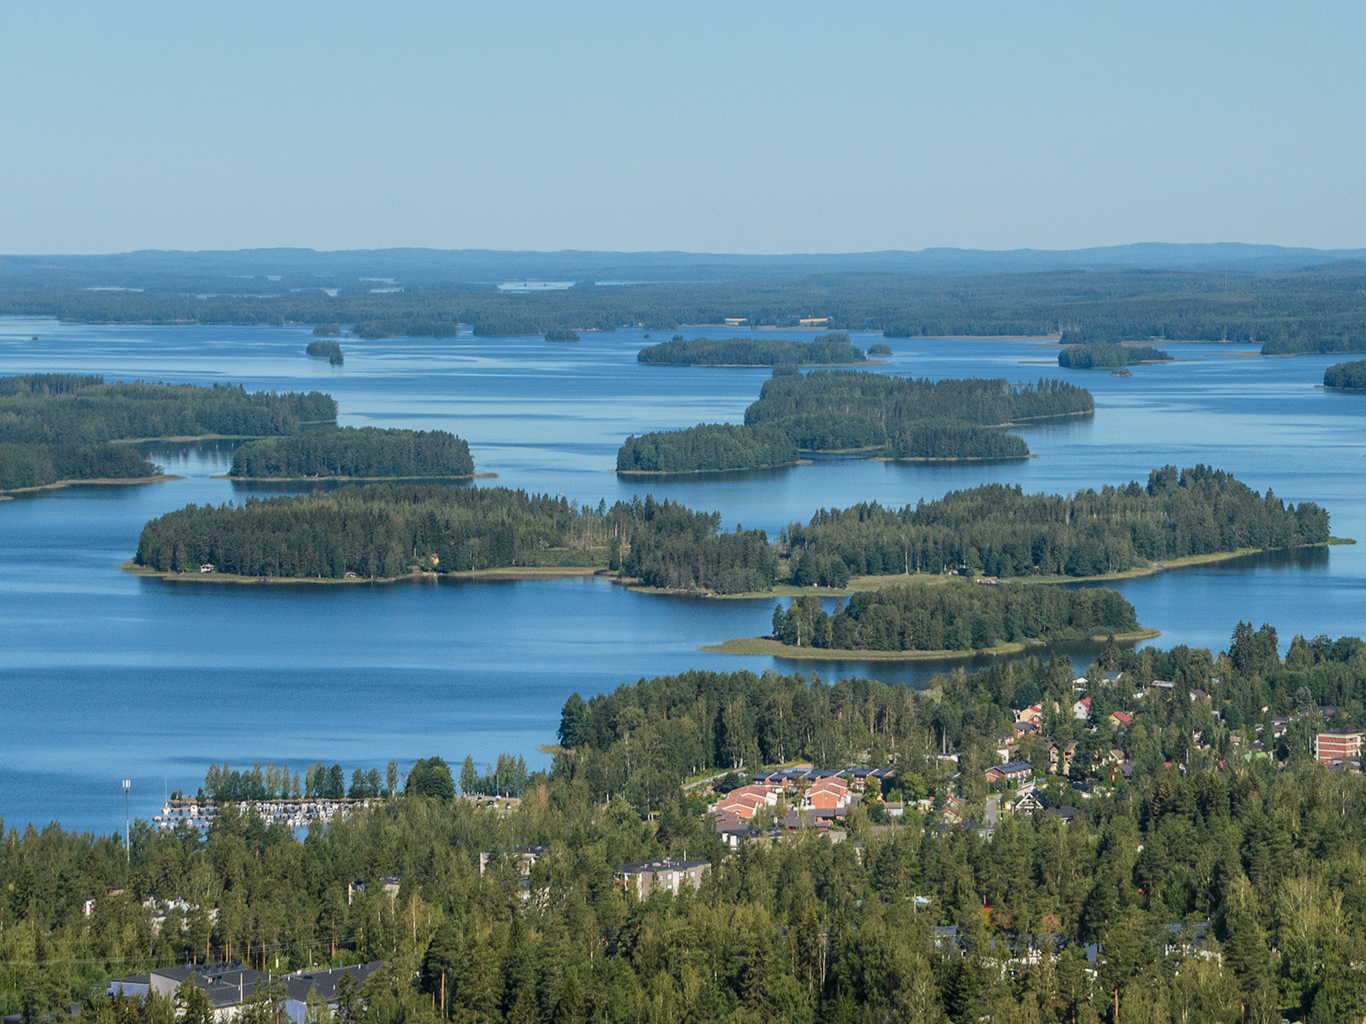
(1108, 356)
(954, 617)
(826, 349)
(706, 447)
(873, 414)
(1208, 877)
(1346, 376)
(56, 428)
(1314, 310)
(355, 452)
(1001, 531)
(561, 334)
(384, 531)
(330, 350)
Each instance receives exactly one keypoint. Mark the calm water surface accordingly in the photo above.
(105, 676)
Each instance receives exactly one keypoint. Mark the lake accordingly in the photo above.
(106, 676)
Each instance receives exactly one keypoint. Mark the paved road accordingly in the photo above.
(993, 810)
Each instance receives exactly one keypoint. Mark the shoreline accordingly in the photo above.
(765, 646)
(695, 472)
(102, 481)
(767, 366)
(350, 479)
(508, 574)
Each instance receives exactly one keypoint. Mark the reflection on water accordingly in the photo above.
(106, 676)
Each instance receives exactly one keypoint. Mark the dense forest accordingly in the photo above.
(827, 349)
(1107, 356)
(56, 409)
(830, 410)
(1002, 531)
(1319, 310)
(332, 350)
(355, 452)
(951, 439)
(381, 531)
(873, 414)
(1348, 376)
(385, 530)
(954, 617)
(561, 334)
(57, 427)
(1208, 886)
(36, 465)
(709, 446)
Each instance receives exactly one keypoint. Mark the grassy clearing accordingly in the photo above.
(493, 575)
(96, 482)
(777, 649)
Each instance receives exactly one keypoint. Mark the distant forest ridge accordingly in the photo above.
(410, 266)
(1316, 311)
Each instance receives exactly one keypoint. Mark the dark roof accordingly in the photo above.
(297, 986)
(1066, 813)
(1011, 767)
(225, 984)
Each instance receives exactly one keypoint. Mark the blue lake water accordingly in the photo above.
(106, 676)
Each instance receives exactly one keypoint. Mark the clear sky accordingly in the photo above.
(723, 127)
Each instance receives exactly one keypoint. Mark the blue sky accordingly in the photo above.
(725, 127)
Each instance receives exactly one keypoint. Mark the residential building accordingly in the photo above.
(645, 877)
(229, 985)
(1338, 745)
(1011, 771)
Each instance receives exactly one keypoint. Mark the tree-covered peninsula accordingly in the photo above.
(1346, 376)
(1001, 531)
(878, 415)
(385, 530)
(56, 428)
(959, 616)
(355, 452)
(329, 350)
(826, 349)
(24, 466)
(709, 446)
(1107, 356)
(57, 408)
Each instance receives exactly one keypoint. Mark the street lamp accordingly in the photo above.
(127, 839)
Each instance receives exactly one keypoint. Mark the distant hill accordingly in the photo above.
(270, 271)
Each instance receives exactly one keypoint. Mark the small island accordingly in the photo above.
(355, 453)
(327, 330)
(960, 618)
(1346, 376)
(880, 349)
(709, 447)
(877, 416)
(1109, 355)
(824, 350)
(561, 334)
(57, 429)
(329, 350)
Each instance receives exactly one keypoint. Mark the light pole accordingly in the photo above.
(127, 839)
